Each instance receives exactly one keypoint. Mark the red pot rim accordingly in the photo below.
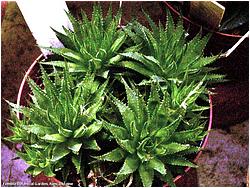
(24, 80)
(203, 142)
(193, 23)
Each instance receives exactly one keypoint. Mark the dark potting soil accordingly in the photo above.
(130, 9)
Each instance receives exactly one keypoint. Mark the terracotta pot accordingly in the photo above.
(42, 180)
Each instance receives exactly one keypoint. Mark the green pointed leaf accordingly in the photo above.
(80, 131)
(128, 145)
(194, 49)
(39, 95)
(24, 156)
(67, 53)
(190, 150)
(175, 147)
(67, 42)
(192, 95)
(49, 86)
(148, 61)
(118, 132)
(77, 162)
(30, 152)
(188, 135)
(162, 114)
(59, 151)
(34, 171)
(65, 132)
(54, 138)
(166, 132)
(118, 42)
(180, 161)
(216, 77)
(203, 61)
(97, 99)
(130, 165)
(72, 66)
(154, 99)
(115, 60)
(135, 56)
(83, 176)
(119, 178)
(152, 24)
(157, 165)
(113, 156)
(91, 144)
(39, 130)
(137, 104)
(126, 112)
(48, 172)
(129, 30)
(147, 175)
(146, 130)
(92, 129)
(168, 178)
(134, 48)
(200, 108)
(74, 145)
(74, 22)
(136, 67)
(14, 139)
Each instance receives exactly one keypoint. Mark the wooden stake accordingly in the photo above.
(208, 12)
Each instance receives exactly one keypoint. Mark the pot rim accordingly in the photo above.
(197, 25)
(203, 142)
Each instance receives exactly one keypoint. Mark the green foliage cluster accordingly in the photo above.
(91, 44)
(151, 120)
(59, 123)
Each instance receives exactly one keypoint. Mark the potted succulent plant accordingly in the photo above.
(118, 106)
(233, 26)
(231, 103)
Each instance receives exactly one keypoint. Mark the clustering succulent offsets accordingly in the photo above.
(138, 89)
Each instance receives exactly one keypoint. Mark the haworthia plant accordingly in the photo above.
(59, 123)
(166, 54)
(92, 43)
(153, 133)
(154, 129)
